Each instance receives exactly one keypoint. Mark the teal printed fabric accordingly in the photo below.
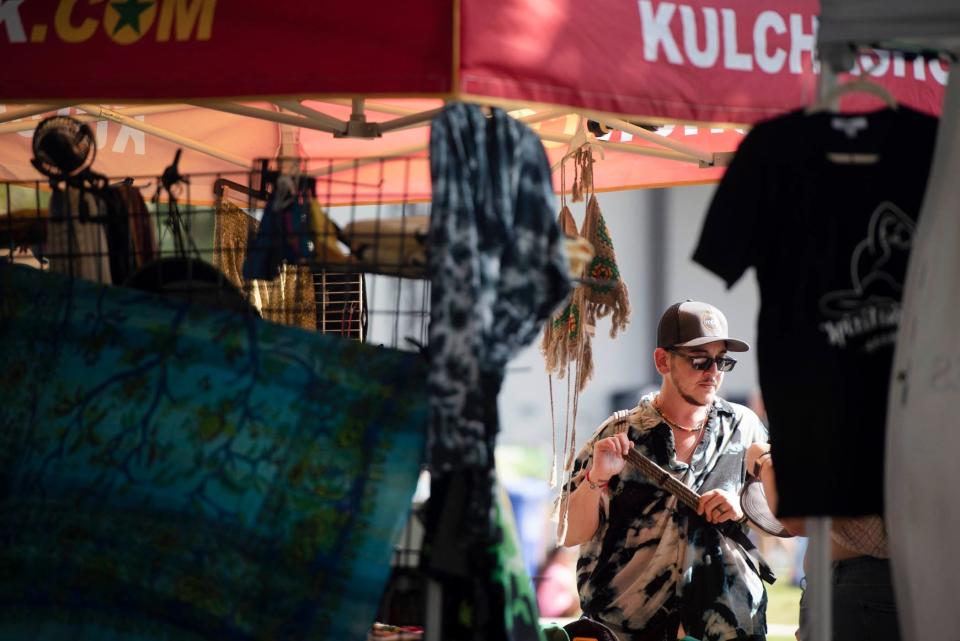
(169, 471)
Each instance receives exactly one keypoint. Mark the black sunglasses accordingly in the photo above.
(703, 363)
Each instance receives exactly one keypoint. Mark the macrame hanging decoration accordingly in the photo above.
(567, 341)
(566, 337)
(606, 293)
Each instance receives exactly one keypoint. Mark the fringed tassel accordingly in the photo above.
(562, 335)
(620, 311)
(585, 365)
(582, 174)
(568, 226)
(550, 345)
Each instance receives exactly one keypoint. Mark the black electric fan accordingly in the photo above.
(63, 148)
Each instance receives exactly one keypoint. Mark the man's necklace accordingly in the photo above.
(687, 451)
(695, 428)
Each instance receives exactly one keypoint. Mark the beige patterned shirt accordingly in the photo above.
(861, 534)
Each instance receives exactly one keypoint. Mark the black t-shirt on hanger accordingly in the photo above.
(824, 208)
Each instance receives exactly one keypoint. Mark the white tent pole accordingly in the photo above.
(397, 110)
(357, 109)
(820, 581)
(548, 114)
(30, 125)
(414, 118)
(649, 136)
(272, 116)
(417, 118)
(189, 143)
(411, 120)
(317, 116)
(26, 112)
(561, 138)
(619, 146)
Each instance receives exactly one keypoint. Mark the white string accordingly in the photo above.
(553, 436)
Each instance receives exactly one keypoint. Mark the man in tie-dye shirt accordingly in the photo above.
(649, 565)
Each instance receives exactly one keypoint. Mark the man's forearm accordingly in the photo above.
(769, 480)
(768, 477)
(583, 516)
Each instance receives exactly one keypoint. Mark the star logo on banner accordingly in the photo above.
(126, 21)
(130, 12)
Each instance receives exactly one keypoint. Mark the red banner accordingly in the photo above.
(731, 61)
(715, 61)
(127, 50)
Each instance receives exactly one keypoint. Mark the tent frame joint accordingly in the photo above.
(357, 126)
(719, 159)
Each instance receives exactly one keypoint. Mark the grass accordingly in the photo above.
(783, 603)
(783, 607)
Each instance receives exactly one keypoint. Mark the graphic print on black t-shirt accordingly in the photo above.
(866, 315)
(829, 242)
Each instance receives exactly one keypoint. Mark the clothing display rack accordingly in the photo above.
(358, 286)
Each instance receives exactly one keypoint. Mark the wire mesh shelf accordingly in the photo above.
(289, 240)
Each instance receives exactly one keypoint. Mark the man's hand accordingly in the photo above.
(718, 506)
(608, 456)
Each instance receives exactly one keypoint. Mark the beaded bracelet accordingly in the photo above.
(596, 486)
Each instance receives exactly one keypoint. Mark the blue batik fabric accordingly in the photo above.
(170, 471)
(653, 562)
(497, 268)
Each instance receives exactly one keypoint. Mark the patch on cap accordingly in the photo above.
(710, 321)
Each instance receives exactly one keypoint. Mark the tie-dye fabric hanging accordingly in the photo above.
(497, 269)
(176, 472)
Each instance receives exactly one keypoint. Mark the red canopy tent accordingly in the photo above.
(700, 69)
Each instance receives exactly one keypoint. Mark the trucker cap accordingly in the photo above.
(692, 323)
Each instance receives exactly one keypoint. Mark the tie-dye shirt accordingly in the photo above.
(652, 560)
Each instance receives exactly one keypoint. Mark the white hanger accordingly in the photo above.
(855, 86)
(581, 138)
(830, 100)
